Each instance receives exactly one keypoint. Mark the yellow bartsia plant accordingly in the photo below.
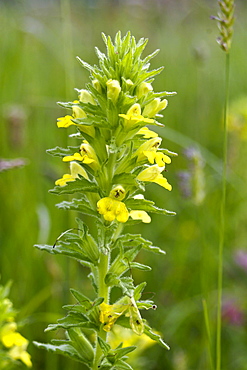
(13, 346)
(116, 157)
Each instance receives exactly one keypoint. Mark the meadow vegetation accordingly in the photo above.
(39, 44)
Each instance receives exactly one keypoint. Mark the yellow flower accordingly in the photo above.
(154, 107)
(16, 342)
(134, 116)
(112, 209)
(75, 170)
(110, 313)
(19, 353)
(147, 134)
(113, 90)
(87, 155)
(153, 174)
(140, 215)
(77, 112)
(65, 121)
(149, 150)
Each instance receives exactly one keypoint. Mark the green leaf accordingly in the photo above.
(85, 65)
(81, 298)
(140, 266)
(150, 56)
(125, 179)
(104, 346)
(146, 205)
(85, 301)
(81, 344)
(80, 185)
(122, 365)
(138, 290)
(73, 319)
(70, 250)
(62, 152)
(149, 332)
(80, 205)
(120, 352)
(62, 349)
(127, 285)
(120, 265)
(132, 240)
(147, 305)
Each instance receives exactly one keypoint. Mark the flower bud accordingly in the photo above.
(129, 83)
(113, 90)
(154, 107)
(76, 170)
(78, 112)
(86, 97)
(96, 84)
(117, 192)
(151, 108)
(163, 104)
(134, 110)
(88, 150)
(143, 89)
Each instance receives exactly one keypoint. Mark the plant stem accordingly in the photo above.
(102, 271)
(222, 218)
(104, 292)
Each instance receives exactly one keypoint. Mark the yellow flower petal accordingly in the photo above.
(110, 313)
(20, 353)
(147, 134)
(78, 157)
(140, 215)
(161, 159)
(153, 174)
(76, 170)
(121, 212)
(65, 121)
(112, 209)
(63, 181)
(149, 174)
(150, 156)
(134, 116)
(162, 181)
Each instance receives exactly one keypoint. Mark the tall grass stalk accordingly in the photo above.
(225, 21)
(208, 331)
(222, 215)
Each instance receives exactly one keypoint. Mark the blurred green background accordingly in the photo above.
(38, 45)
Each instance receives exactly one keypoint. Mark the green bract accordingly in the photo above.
(116, 157)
